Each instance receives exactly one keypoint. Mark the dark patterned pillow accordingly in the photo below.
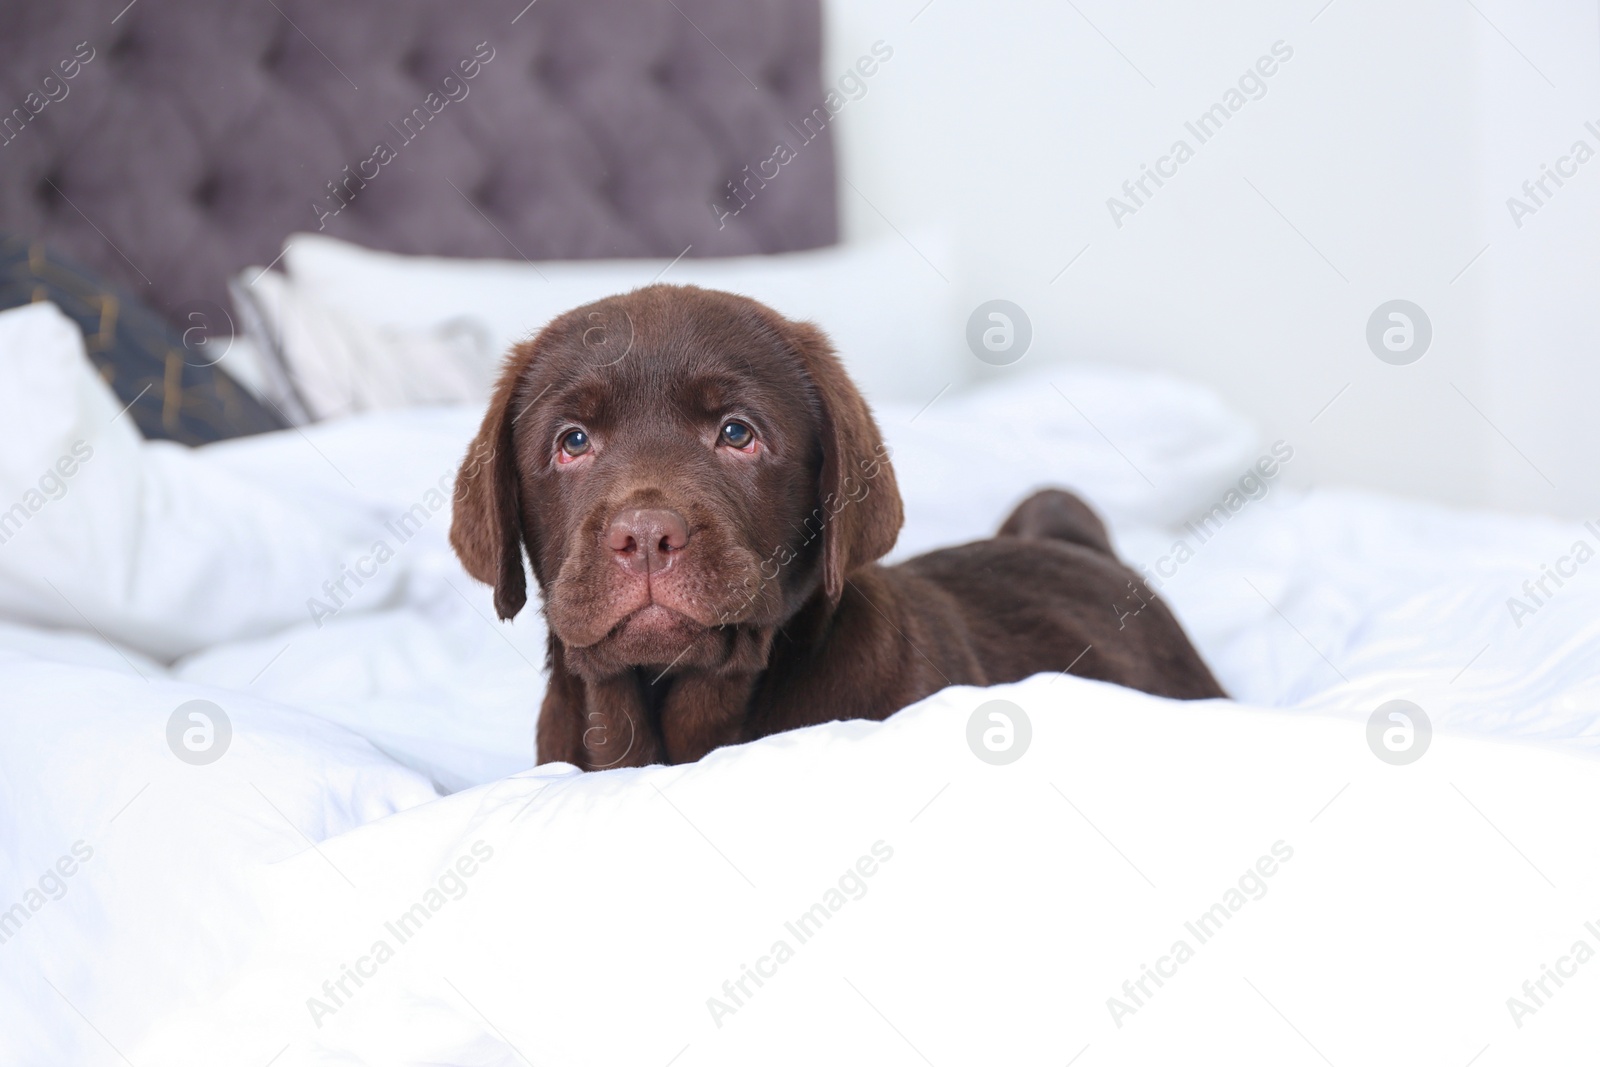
(174, 390)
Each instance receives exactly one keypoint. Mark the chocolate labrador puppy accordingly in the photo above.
(702, 494)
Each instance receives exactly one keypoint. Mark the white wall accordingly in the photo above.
(1389, 141)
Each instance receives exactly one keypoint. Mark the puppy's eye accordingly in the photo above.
(574, 443)
(737, 435)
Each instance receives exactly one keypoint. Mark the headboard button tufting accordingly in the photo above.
(546, 70)
(586, 128)
(122, 49)
(48, 191)
(272, 55)
(205, 193)
(415, 64)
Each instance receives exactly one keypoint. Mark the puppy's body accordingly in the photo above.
(702, 493)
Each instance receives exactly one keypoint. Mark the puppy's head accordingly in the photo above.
(685, 468)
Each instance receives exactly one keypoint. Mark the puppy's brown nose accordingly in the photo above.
(647, 540)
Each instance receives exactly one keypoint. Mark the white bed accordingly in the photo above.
(381, 747)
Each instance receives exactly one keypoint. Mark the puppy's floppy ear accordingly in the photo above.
(859, 498)
(486, 526)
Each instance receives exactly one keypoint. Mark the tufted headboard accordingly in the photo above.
(193, 136)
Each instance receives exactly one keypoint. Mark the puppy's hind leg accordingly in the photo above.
(1055, 514)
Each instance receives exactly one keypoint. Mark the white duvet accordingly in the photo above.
(373, 871)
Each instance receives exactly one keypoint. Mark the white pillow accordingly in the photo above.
(888, 312)
(338, 363)
(1141, 447)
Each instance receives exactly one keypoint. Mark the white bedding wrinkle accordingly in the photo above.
(234, 911)
(150, 545)
(52, 485)
(651, 889)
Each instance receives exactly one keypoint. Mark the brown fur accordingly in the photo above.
(773, 614)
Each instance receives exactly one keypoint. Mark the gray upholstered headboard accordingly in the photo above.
(194, 135)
